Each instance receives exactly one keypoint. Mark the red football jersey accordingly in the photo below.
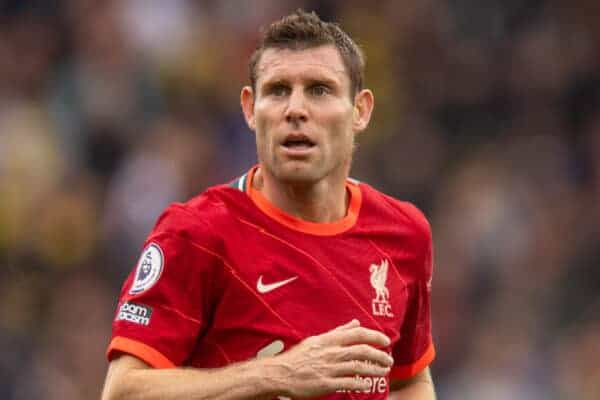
(228, 277)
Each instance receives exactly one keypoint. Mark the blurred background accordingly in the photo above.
(487, 117)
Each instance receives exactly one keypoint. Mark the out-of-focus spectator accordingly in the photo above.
(172, 163)
(67, 360)
(577, 372)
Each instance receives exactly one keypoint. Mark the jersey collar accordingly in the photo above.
(300, 225)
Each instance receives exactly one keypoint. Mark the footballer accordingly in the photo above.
(292, 281)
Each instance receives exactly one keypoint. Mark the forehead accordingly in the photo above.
(318, 62)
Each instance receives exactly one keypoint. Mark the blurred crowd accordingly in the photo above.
(487, 117)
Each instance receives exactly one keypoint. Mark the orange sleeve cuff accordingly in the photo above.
(140, 350)
(408, 371)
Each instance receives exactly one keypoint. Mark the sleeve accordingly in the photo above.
(165, 301)
(415, 350)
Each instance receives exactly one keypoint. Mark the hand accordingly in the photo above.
(329, 362)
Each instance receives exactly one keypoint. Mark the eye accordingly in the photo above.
(319, 90)
(278, 90)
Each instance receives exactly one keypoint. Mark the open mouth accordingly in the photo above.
(298, 142)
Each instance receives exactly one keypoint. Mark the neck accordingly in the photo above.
(320, 202)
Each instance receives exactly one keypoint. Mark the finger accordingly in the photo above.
(352, 324)
(356, 335)
(329, 336)
(351, 384)
(366, 353)
(355, 367)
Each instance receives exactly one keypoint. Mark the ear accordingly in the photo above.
(247, 103)
(363, 107)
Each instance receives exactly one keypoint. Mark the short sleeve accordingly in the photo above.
(165, 301)
(415, 350)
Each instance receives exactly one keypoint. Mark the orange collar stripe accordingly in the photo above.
(297, 224)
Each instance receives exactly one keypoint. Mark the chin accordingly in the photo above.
(298, 174)
(298, 178)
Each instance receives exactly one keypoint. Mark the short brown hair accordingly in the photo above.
(302, 30)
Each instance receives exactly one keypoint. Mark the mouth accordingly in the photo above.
(298, 142)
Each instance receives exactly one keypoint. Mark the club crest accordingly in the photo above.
(380, 304)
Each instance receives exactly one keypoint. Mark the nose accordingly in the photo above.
(296, 108)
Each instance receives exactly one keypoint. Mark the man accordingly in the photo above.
(293, 281)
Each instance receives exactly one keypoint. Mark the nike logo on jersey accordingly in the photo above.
(268, 287)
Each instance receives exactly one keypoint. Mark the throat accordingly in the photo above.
(316, 203)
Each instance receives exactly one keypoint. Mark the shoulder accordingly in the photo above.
(411, 228)
(396, 211)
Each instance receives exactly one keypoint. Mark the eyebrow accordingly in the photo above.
(323, 81)
(310, 82)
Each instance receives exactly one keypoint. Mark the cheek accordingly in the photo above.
(342, 136)
(264, 119)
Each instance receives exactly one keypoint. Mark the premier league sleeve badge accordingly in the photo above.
(148, 270)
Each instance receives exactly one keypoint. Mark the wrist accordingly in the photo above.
(270, 377)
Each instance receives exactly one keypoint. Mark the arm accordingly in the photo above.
(130, 378)
(419, 387)
(415, 351)
(317, 366)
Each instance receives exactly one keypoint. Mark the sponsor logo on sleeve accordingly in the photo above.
(135, 313)
(148, 270)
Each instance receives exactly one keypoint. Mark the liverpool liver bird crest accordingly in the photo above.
(378, 279)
